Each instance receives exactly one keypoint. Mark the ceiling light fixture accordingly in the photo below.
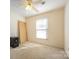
(29, 4)
(28, 7)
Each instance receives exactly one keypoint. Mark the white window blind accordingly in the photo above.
(41, 28)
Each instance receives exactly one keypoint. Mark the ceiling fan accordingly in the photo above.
(29, 4)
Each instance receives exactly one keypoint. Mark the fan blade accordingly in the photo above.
(34, 9)
(30, 1)
(38, 1)
(23, 5)
(25, 2)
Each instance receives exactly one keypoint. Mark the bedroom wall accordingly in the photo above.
(55, 28)
(14, 18)
(66, 29)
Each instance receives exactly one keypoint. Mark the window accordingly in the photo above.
(41, 28)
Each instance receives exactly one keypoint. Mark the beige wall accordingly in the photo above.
(55, 28)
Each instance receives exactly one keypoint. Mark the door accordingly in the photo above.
(22, 32)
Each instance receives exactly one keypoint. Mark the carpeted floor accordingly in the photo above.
(36, 51)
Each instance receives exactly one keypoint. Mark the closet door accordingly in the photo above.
(22, 32)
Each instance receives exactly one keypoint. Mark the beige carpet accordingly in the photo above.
(37, 51)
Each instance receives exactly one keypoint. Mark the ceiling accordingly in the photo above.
(16, 6)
